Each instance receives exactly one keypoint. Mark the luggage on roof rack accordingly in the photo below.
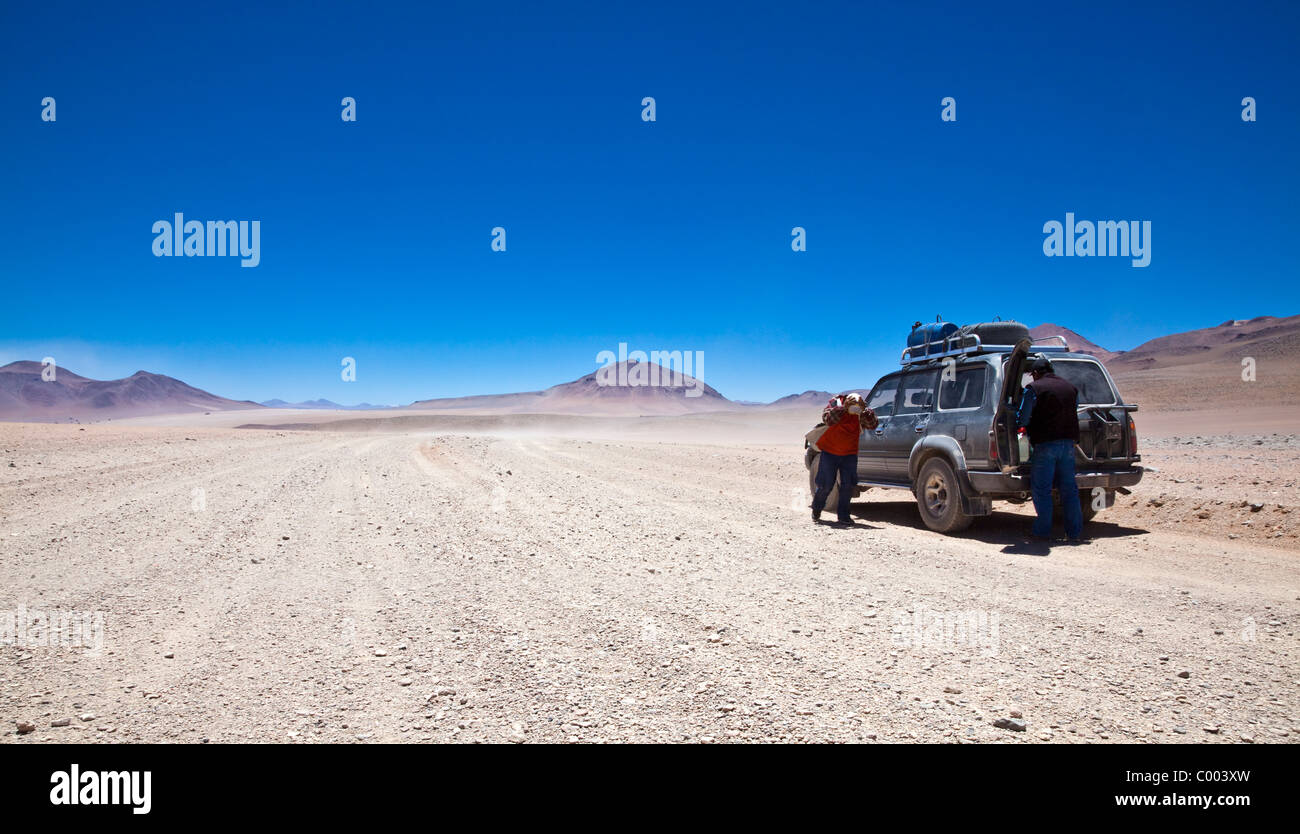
(930, 338)
(997, 332)
(942, 339)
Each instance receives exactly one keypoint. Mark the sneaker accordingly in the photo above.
(817, 516)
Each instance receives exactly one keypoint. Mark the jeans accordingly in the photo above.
(846, 467)
(1052, 464)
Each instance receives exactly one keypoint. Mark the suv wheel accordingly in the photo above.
(939, 499)
(832, 500)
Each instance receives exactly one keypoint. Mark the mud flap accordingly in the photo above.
(972, 504)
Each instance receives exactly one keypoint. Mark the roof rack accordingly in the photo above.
(968, 345)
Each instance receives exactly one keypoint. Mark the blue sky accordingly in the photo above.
(674, 234)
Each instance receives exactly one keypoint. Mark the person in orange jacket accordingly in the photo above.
(845, 418)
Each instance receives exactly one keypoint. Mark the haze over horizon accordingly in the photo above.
(1273, 338)
(666, 235)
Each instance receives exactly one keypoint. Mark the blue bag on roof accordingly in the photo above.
(929, 338)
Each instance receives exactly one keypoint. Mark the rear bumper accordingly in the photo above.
(996, 482)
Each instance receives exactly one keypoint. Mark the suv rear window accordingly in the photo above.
(1094, 388)
(965, 391)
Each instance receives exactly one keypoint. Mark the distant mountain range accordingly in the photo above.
(1195, 369)
(25, 395)
(1266, 337)
(323, 404)
(808, 399)
(1238, 365)
(587, 395)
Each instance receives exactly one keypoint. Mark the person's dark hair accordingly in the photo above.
(1041, 365)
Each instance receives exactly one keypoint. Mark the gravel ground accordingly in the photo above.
(410, 586)
(1238, 488)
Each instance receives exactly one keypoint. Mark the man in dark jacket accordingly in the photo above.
(845, 417)
(1049, 411)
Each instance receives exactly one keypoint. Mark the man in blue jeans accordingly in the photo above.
(1049, 411)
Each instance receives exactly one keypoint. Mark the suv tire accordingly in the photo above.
(938, 497)
(997, 332)
(832, 500)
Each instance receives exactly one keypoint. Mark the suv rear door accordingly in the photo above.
(1004, 421)
(964, 397)
(1106, 431)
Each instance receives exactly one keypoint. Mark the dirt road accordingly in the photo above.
(406, 586)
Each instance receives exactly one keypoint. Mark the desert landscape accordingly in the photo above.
(643, 569)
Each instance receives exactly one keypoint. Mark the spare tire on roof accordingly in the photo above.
(997, 332)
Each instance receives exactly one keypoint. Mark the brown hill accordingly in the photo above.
(1077, 342)
(587, 395)
(1203, 369)
(24, 395)
(1265, 336)
(808, 399)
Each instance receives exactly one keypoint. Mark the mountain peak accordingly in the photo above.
(25, 394)
(1077, 342)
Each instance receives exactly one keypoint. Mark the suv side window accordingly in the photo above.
(881, 398)
(966, 390)
(916, 394)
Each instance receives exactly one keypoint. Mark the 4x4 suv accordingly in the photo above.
(947, 430)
